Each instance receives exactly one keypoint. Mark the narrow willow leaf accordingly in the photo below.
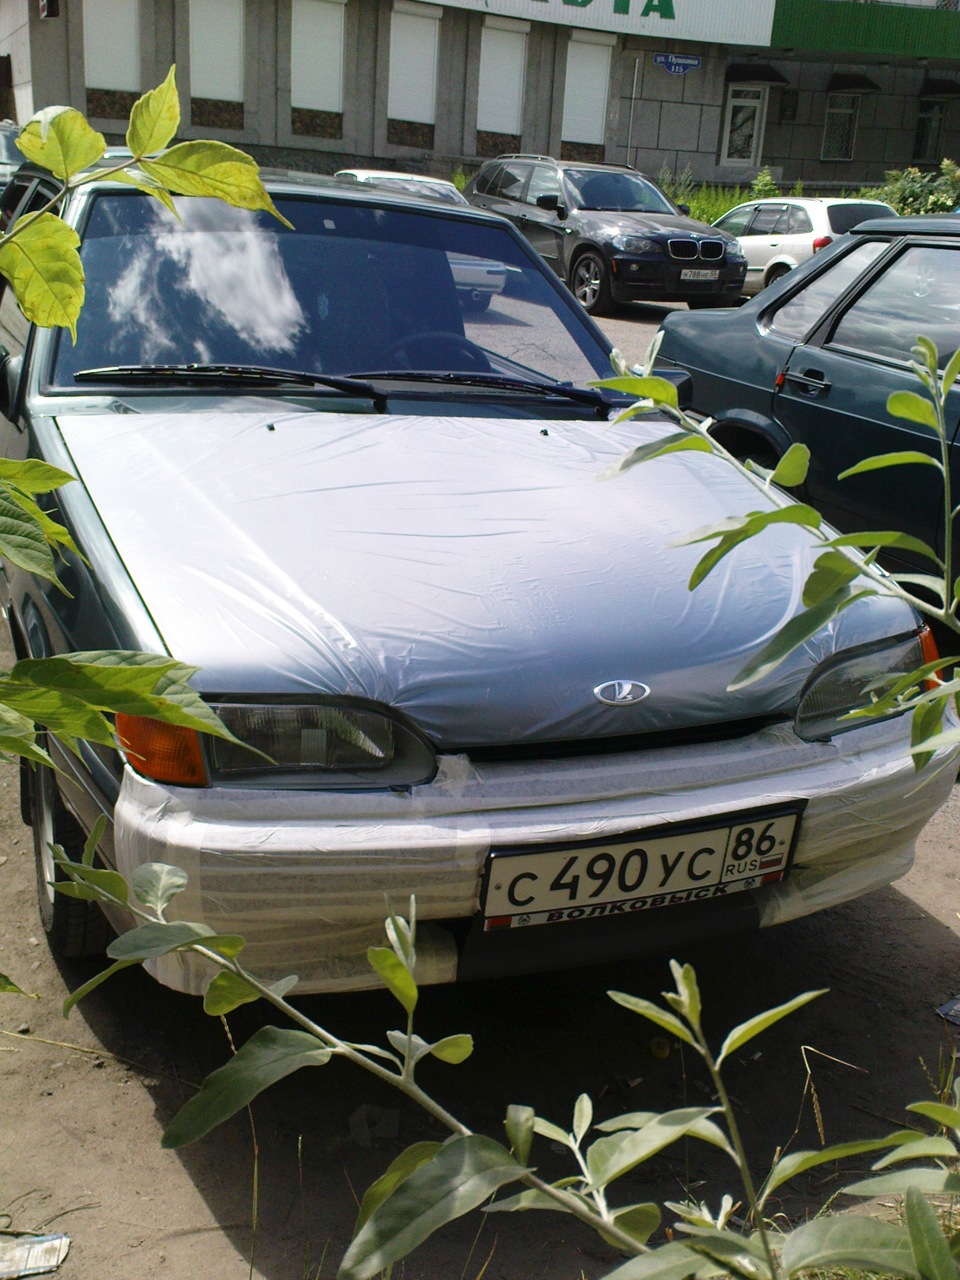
(395, 976)
(398, 1171)
(98, 880)
(9, 988)
(791, 636)
(550, 1131)
(519, 1126)
(673, 1261)
(789, 1166)
(742, 1034)
(638, 1220)
(882, 460)
(886, 538)
(410, 1047)
(898, 1183)
(156, 884)
(630, 1120)
(532, 1199)
(925, 580)
(858, 1242)
(462, 1174)
(925, 724)
(61, 140)
(650, 387)
(453, 1049)
(951, 371)
(921, 1147)
(832, 571)
(707, 563)
(212, 169)
(610, 1158)
(75, 996)
(949, 738)
(653, 1013)
(226, 992)
(939, 1112)
(688, 993)
(155, 118)
(152, 940)
(681, 442)
(926, 353)
(582, 1117)
(268, 1056)
(930, 1249)
(93, 840)
(792, 468)
(914, 408)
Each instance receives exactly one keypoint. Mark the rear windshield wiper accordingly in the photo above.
(499, 382)
(238, 374)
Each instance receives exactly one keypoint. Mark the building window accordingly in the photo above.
(111, 57)
(585, 94)
(503, 60)
(216, 63)
(743, 123)
(840, 126)
(316, 68)
(412, 91)
(926, 142)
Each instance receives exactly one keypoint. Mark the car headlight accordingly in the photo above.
(847, 682)
(636, 244)
(339, 745)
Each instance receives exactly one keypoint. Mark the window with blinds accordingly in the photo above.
(316, 55)
(414, 36)
(586, 88)
(216, 50)
(111, 44)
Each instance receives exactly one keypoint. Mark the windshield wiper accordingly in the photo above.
(239, 374)
(499, 382)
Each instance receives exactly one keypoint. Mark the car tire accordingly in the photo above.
(776, 273)
(590, 283)
(74, 927)
(475, 306)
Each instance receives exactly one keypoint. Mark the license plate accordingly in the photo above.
(693, 273)
(637, 872)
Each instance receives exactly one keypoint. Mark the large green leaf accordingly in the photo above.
(87, 882)
(792, 468)
(930, 1249)
(23, 537)
(731, 533)
(612, 1157)
(670, 1262)
(651, 387)
(268, 1056)
(914, 408)
(61, 140)
(919, 1146)
(582, 1117)
(653, 1013)
(789, 1166)
(849, 1241)
(227, 991)
(886, 538)
(18, 736)
(934, 1181)
(742, 1034)
(212, 169)
(832, 571)
(155, 118)
(158, 939)
(399, 1170)
(156, 884)
(638, 1220)
(452, 1049)
(395, 976)
(939, 1112)
(462, 1174)
(44, 270)
(32, 476)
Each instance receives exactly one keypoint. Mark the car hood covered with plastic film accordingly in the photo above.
(475, 573)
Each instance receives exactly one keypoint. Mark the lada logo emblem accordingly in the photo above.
(621, 693)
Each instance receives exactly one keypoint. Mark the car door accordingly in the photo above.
(761, 240)
(835, 387)
(737, 223)
(543, 227)
(504, 192)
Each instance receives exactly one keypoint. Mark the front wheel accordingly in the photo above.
(589, 283)
(74, 927)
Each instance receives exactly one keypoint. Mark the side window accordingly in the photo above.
(767, 220)
(800, 313)
(916, 295)
(543, 182)
(487, 178)
(735, 222)
(798, 222)
(509, 182)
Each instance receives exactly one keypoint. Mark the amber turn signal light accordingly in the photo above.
(164, 752)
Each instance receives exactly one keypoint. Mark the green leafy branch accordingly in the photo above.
(432, 1183)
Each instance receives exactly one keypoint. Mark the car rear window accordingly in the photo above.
(799, 314)
(845, 216)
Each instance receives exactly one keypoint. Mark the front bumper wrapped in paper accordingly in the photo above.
(306, 878)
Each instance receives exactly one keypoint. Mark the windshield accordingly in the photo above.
(617, 190)
(352, 289)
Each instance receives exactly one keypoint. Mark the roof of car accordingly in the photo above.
(600, 165)
(813, 201)
(374, 175)
(914, 224)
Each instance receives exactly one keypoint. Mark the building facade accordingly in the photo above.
(830, 92)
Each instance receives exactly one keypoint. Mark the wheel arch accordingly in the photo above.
(739, 429)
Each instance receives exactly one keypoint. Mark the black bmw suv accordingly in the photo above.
(611, 233)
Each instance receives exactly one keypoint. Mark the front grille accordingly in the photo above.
(686, 250)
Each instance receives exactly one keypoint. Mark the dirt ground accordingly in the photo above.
(84, 1101)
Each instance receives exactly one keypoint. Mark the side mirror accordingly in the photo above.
(10, 367)
(553, 203)
(684, 208)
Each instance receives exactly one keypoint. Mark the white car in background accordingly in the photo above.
(778, 233)
(478, 281)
